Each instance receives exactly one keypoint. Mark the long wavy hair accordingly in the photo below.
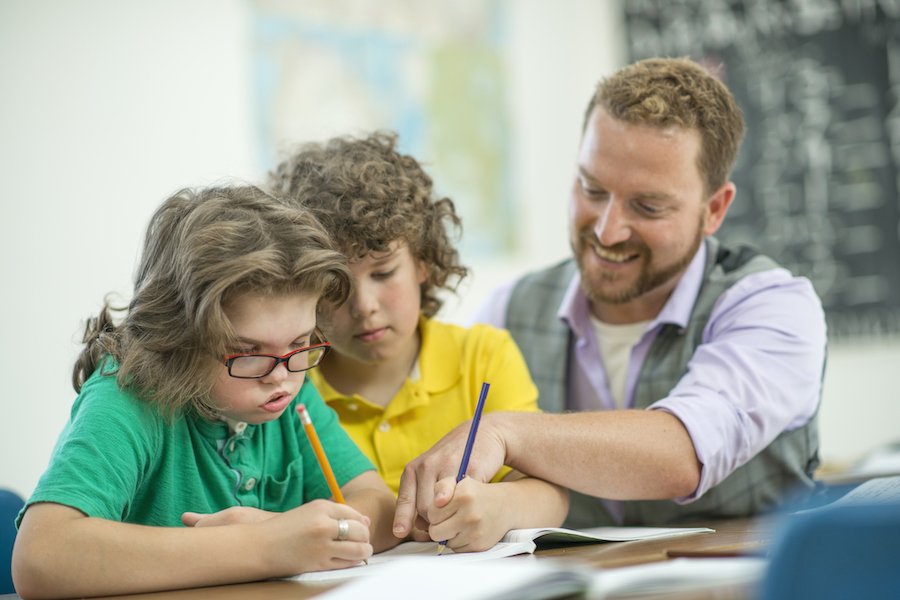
(367, 195)
(664, 92)
(202, 249)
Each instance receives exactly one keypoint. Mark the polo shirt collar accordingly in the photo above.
(438, 355)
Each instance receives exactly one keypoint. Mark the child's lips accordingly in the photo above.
(373, 335)
(277, 403)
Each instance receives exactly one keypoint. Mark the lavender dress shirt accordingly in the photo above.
(757, 372)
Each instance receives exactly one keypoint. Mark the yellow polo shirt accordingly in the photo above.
(453, 363)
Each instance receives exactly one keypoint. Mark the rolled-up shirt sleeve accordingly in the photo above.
(757, 372)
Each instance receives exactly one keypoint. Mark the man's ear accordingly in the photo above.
(717, 206)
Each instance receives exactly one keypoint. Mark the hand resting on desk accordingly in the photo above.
(114, 557)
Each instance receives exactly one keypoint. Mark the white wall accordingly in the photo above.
(109, 105)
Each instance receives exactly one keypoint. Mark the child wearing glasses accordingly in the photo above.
(398, 379)
(184, 462)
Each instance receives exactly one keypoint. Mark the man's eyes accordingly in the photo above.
(592, 191)
(650, 209)
(641, 206)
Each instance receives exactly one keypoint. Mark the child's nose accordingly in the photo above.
(278, 374)
(363, 303)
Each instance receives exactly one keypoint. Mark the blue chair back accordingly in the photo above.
(837, 552)
(10, 505)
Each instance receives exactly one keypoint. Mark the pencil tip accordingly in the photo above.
(441, 549)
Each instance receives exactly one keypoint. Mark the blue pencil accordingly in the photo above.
(473, 429)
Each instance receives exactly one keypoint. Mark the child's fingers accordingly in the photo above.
(454, 497)
(332, 510)
(349, 543)
(419, 534)
(452, 531)
(349, 530)
(466, 523)
(229, 516)
(443, 491)
(345, 511)
(190, 519)
(347, 554)
(339, 522)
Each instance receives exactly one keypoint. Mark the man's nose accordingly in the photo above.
(612, 226)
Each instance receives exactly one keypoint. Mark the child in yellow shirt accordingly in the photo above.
(398, 379)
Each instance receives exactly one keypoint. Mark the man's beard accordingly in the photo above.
(649, 278)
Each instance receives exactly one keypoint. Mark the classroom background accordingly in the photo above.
(109, 106)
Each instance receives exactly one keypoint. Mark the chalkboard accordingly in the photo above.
(818, 174)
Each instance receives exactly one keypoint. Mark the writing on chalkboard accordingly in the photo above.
(818, 175)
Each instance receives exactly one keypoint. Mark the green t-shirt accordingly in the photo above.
(118, 459)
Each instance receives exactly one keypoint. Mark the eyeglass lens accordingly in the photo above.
(258, 366)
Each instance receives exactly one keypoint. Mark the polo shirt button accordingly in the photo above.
(250, 483)
(352, 406)
(384, 427)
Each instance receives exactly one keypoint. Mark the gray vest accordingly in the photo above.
(785, 466)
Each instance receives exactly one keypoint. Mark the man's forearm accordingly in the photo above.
(620, 455)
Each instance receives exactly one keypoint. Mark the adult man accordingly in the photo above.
(695, 369)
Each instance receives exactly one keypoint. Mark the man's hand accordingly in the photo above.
(419, 492)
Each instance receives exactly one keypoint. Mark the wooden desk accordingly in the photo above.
(735, 537)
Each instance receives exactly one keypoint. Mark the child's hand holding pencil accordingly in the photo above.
(325, 466)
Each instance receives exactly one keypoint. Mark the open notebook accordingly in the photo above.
(516, 541)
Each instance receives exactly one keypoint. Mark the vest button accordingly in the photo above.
(250, 483)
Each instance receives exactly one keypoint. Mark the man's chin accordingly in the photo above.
(605, 290)
(613, 298)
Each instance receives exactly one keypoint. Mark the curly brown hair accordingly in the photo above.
(367, 194)
(664, 92)
(202, 249)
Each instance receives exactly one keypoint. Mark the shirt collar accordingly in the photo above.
(433, 369)
(575, 311)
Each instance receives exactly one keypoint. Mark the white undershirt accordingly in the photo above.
(615, 343)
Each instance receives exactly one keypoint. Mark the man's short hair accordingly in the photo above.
(666, 92)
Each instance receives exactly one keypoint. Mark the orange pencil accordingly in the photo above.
(320, 456)
(320, 453)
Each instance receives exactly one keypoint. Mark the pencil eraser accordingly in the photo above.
(303, 414)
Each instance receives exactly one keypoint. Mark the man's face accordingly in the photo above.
(638, 214)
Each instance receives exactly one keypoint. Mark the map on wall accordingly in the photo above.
(818, 174)
(431, 71)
